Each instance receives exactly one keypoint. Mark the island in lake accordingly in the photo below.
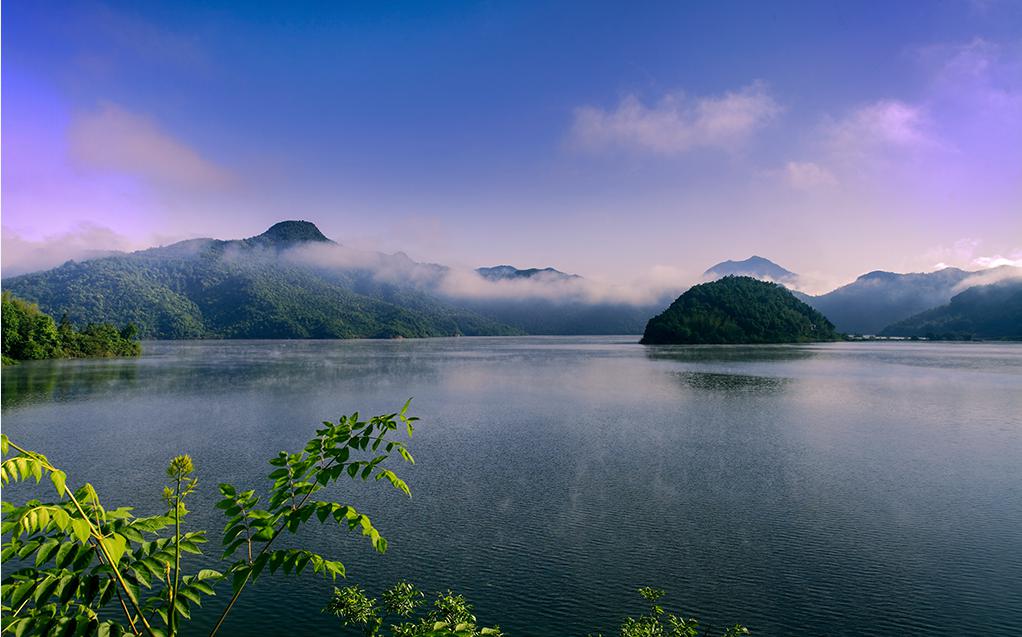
(738, 309)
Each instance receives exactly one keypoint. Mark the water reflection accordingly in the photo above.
(56, 381)
(730, 353)
(733, 383)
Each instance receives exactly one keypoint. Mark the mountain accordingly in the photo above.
(985, 311)
(547, 305)
(755, 267)
(289, 233)
(509, 272)
(738, 309)
(878, 299)
(260, 287)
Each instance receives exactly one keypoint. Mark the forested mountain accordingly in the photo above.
(249, 288)
(509, 272)
(738, 309)
(878, 299)
(985, 311)
(755, 267)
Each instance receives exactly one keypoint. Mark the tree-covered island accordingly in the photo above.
(738, 310)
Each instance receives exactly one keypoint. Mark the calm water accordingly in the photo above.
(842, 489)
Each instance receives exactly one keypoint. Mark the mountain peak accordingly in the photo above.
(288, 232)
(755, 266)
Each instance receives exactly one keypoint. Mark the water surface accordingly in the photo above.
(838, 489)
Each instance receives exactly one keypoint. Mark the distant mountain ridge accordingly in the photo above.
(294, 282)
(756, 267)
(877, 299)
(246, 288)
(509, 272)
(991, 311)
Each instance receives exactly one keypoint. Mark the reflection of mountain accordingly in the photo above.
(730, 353)
(217, 368)
(59, 380)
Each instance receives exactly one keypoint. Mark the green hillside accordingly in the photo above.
(738, 309)
(206, 288)
(985, 312)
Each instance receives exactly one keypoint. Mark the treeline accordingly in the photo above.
(31, 334)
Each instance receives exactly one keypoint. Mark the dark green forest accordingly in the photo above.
(30, 334)
(738, 309)
(992, 312)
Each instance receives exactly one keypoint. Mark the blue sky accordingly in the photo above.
(623, 141)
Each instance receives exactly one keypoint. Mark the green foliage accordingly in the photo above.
(449, 616)
(85, 558)
(70, 562)
(738, 309)
(29, 334)
(659, 623)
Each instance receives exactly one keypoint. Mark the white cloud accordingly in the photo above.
(995, 274)
(879, 126)
(1015, 260)
(86, 241)
(663, 283)
(675, 124)
(807, 175)
(114, 139)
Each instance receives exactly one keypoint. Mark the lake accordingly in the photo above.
(834, 489)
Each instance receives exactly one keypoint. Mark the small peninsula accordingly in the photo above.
(31, 334)
(738, 310)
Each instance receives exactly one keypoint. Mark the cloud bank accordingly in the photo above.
(675, 124)
(466, 283)
(87, 241)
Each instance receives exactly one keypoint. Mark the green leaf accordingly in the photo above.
(64, 554)
(239, 578)
(208, 573)
(115, 546)
(46, 550)
(59, 479)
(81, 529)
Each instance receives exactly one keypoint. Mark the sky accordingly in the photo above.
(627, 142)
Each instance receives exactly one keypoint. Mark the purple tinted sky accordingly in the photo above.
(625, 145)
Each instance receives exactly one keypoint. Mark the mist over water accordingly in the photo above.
(839, 489)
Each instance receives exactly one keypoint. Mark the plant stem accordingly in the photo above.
(265, 548)
(117, 590)
(99, 537)
(177, 558)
